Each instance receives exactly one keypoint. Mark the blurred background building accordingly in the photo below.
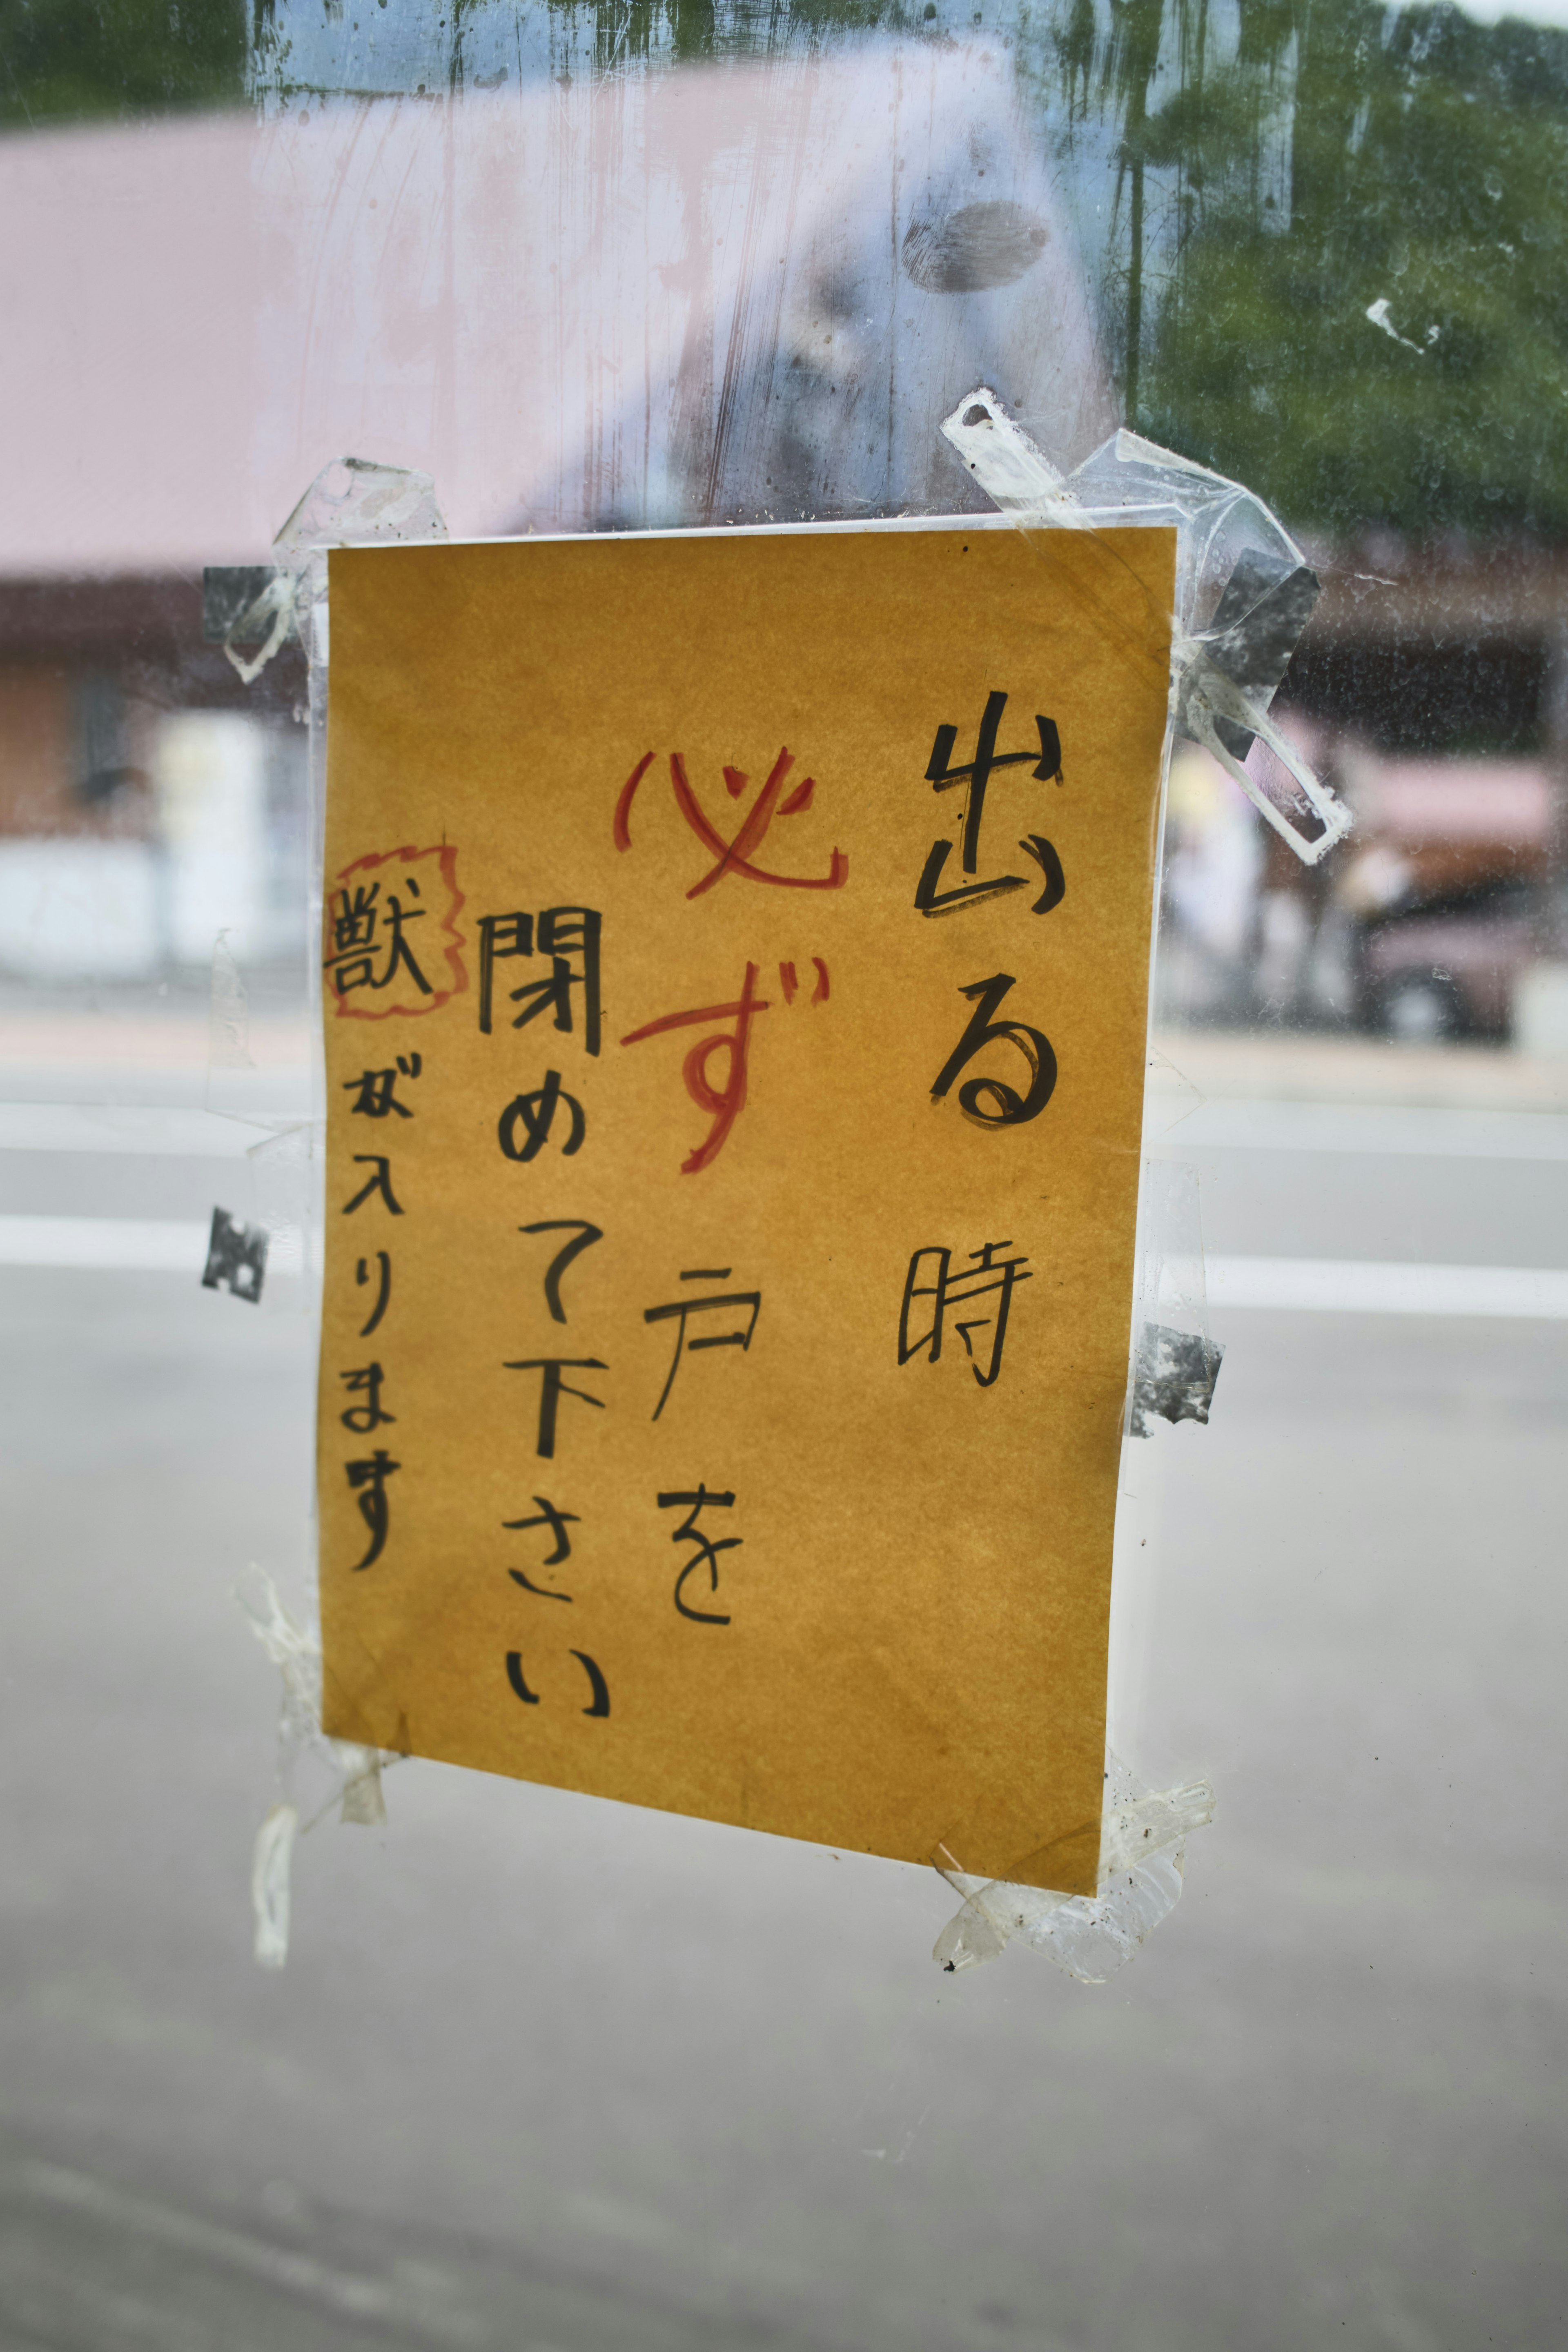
(1430, 688)
(510, 245)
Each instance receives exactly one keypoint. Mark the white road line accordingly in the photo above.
(115, 1244)
(1370, 1287)
(175, 1134)
(1359, 1127)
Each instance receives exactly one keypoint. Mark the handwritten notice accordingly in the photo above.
(734, 971)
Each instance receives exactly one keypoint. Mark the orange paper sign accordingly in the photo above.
(734, 972)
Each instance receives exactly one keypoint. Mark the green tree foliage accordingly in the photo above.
(1423, 174)
(63, 59)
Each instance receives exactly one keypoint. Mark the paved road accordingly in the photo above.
(552, 2076)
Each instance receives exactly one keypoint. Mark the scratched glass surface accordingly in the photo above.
(541, 2069)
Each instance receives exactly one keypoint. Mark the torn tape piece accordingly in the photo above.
(355, 502)
(1256, 626)
(283, 1166)
(1231, 548)
(285, 1640)
(1137, 1827)
(1090, 1937)
(993, 1914)
(352, 502)
(229, 1014)
(265, 625)
(1169, 1095)
(237, 1257)
(270, 1872)
(229, 593)
(355, 1784)
(1244, 592)
(364, 1802)
(296, 1656)
(1174, 1377)
(1174, 1363)
(1013, 472)
(1207, 701)
(1141, 1863)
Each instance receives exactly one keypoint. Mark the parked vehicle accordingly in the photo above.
(1443, 887)
(1447, 969)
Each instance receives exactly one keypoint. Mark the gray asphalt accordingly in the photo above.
(550, 2075)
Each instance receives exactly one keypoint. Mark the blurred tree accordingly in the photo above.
(1385, 339)
(68, 59)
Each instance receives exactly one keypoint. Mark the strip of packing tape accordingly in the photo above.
(347, 1776)
(1143, 1853)
(1233, 553)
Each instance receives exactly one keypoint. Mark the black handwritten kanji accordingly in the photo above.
(362, 1277)
(374, 1089)
(364, 1380)
(683, 1309)
(365, 927)
(553, 1388)
(380, 1182)
(515, 1677)
(931, 1278)
(1045, 857)
(569, 937)
(694, 1501)
(943, 776)
(1012, 1109)
(368, 1478)
(587, 1235)
(557, 1521)
(535, 1114)
(599, 1703)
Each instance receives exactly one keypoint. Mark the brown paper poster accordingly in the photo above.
(736, 954)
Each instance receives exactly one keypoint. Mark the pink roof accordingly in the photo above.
(1455, 800)
(619, 299)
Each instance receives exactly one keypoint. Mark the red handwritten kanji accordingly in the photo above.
(735, 856)
(790, 983)
(724, 1102)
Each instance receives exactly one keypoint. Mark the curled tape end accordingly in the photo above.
(1138, 476)
(270, 1870)
(1142, 1856)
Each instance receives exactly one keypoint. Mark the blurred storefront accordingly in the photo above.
(1430, 686)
